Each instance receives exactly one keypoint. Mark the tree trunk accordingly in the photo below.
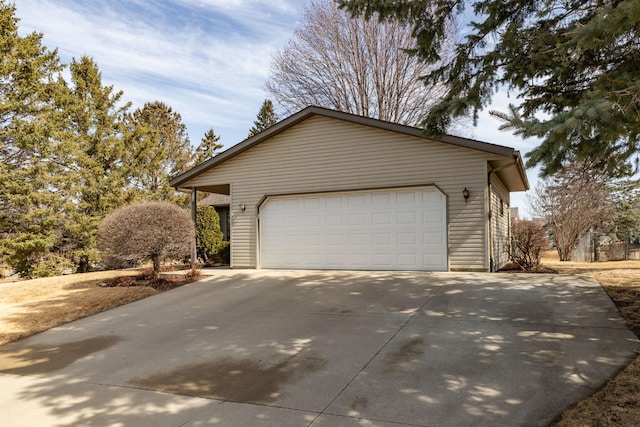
(564, 254)
(156, 266)
(83, 265)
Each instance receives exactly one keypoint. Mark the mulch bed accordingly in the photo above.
(147, 278)
(516, 268)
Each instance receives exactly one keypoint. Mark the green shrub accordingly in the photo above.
(32, 256)
(208, 233)
(224, 253)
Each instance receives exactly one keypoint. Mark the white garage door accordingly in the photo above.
(395, 229)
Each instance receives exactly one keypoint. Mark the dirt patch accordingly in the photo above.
(43, 359)
(233, 380)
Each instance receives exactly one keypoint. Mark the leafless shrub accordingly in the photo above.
(194, 273)
(528, 241)
(156, 231)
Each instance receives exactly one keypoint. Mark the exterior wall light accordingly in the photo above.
(242, 207)
(465, 194)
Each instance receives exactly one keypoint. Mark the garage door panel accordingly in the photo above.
(313, 259)
(380, 200)
(432, 217)
(431, 237)
(381, 218)
(382, 260)
(407, 198)
(313, 240)
(433, 260)
(358, 219)
(335, 239)
(312, 203)
(357, 260)
(358, 201)
(289, 204)
(378, 229)
(382, 239)
(334, 219)
(333, 203)
(408, 260)
(406, 218)
(356, 238)
(406, 238)
(292, 221)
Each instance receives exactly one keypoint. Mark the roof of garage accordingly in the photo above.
(509, 167)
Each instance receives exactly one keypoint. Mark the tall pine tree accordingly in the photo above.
(158, 149)
(96, 167)
(31, 194)
(209, 146)
(267, 117)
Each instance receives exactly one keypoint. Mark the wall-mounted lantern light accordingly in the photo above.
(242, 207)
(465, 194)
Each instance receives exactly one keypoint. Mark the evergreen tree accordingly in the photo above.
(96, 177)
(31, 194)
(208, 147)
(625, 194)
(158, 149)
(208, 234)
(267, 117)
(574, 62)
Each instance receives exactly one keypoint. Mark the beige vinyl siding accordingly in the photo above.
(323, 154)
(500, 222)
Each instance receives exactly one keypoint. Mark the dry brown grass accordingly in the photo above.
(618, 403)
(31, 306)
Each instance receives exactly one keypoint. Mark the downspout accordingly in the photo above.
(194, 207)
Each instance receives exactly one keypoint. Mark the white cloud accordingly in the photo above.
(207, 68)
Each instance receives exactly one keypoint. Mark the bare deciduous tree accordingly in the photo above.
(150, 230)
(353, 65)
(572, 202)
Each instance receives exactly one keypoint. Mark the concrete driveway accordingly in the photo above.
(280, 348)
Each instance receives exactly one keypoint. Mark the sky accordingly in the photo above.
(207, 59)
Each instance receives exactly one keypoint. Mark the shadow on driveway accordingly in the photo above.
(325, 348)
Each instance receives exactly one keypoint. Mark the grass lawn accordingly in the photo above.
(31, 306)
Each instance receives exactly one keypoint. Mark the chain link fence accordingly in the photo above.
(596, 246)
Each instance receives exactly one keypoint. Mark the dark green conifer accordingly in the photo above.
(573, 64)
(266, 118)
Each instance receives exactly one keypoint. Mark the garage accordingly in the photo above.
(324, 189)
(382, 229)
